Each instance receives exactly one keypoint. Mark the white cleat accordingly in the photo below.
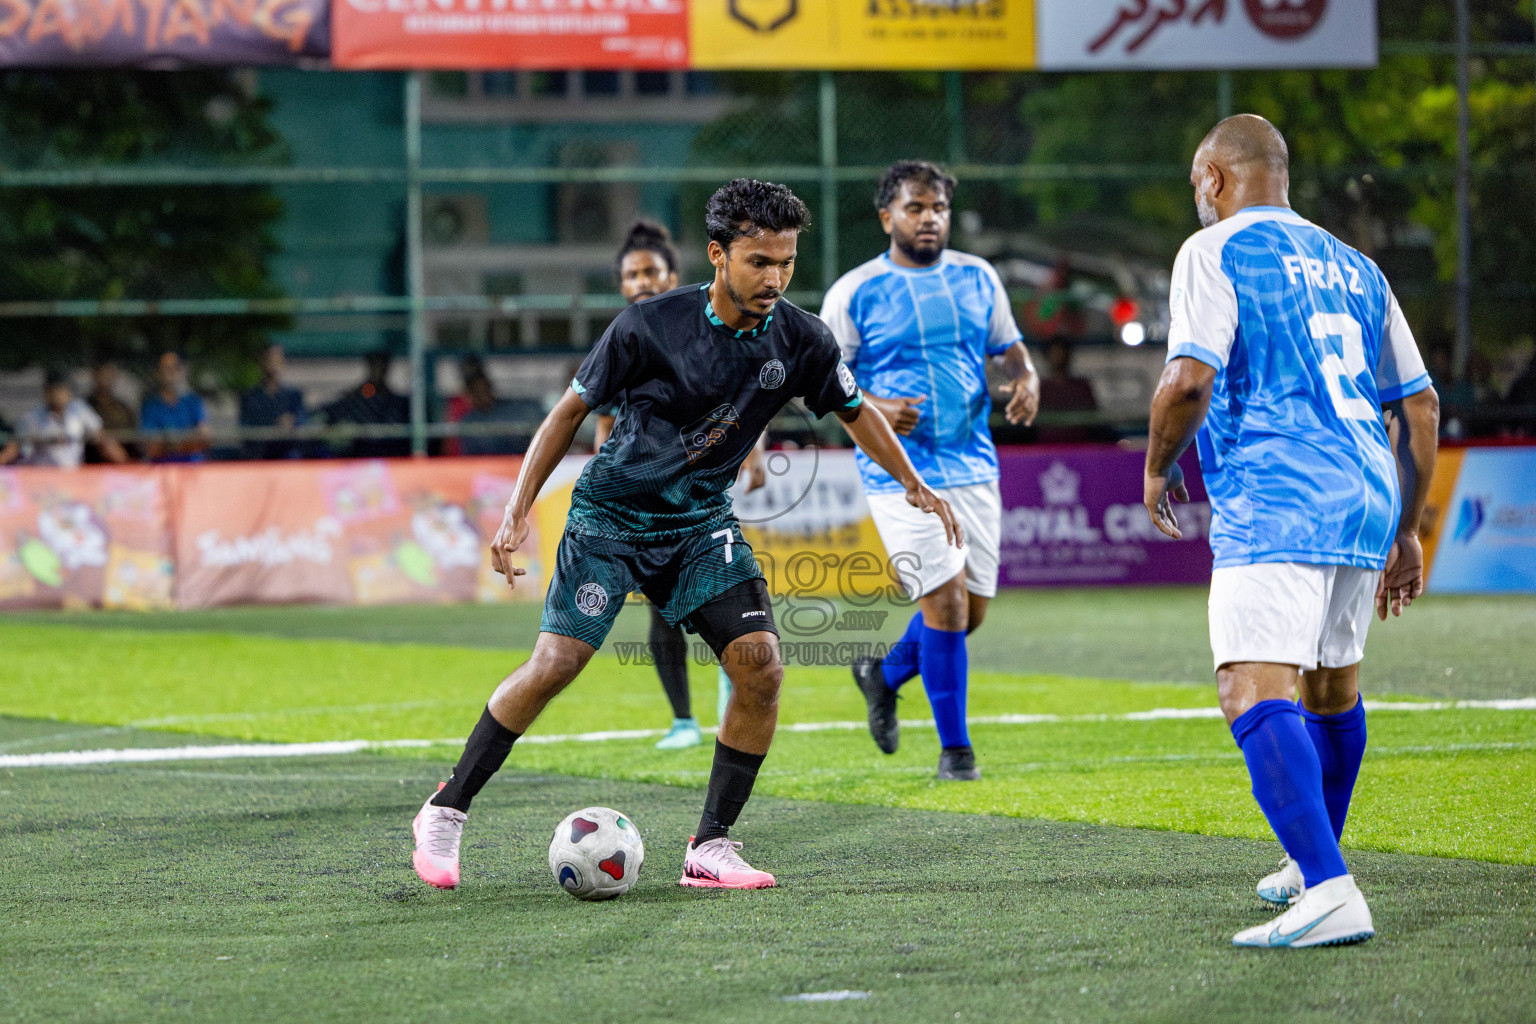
(1331, 913)
(437, 831)
(1284, 886)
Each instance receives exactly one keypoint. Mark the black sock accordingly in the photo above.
(484, 753)
(669, 649)
(730, 787)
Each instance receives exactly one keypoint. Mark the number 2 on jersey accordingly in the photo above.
(1340, 373)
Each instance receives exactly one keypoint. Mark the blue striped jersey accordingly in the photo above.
(1308, 342)
(908, 332)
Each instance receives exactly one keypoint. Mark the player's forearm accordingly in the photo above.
(1417, 445)
(875, 437)
(1016, 362)
(549, 445)
(1178, 408)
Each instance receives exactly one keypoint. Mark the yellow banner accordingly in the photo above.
(931, 35)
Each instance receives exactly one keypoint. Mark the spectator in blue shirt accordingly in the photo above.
(271, 404)
(175, 411)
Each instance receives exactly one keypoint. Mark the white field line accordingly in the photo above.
(219, 752)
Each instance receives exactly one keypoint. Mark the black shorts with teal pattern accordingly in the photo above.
(593, 576)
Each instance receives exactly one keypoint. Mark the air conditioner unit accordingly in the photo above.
(455, 220)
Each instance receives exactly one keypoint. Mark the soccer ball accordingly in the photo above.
(596, 854)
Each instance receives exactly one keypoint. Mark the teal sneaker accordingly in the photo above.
(683, 734)
(725, 696)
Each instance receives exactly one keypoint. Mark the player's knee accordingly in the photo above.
(554, 667)
(948, 607)
(759, 685)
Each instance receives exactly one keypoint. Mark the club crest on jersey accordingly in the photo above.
(591, 599)
(771, 375)
(712, 430)
(845, 378)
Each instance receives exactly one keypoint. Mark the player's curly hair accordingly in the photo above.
(919, 172)
(649, 236)
(746, 207)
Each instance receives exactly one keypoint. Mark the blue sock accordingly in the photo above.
(944, 676)
(904, 658)
(1288, 784)
(1340, 744)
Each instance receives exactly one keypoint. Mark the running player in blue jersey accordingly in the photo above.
(1283, 348)
(702, 369)
(917, 325)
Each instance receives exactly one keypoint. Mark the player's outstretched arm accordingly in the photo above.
(874, 435)
(1178, 408)
(546, 450)
(1417, 443)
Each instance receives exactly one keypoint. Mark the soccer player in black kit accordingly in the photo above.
(703, 369)
(647, 266)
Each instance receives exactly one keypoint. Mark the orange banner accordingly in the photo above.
(78, 540)
(374, 532)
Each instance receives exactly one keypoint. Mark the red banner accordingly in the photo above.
(553, 34)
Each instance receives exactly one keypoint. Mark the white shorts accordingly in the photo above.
(1288, 613)
(915, 544)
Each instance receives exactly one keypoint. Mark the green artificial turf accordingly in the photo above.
(1449, 782)
(281, 891)
(1448, 646)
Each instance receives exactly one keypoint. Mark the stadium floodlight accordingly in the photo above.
(1133, 333)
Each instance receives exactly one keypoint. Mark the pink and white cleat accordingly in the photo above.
(438, 831)
(715, 864)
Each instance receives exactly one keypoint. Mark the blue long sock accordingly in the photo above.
(1288, 784)
(1340, 744)
(944, 677)
(904, 658)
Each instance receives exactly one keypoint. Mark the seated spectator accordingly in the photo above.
(1063, 392)
(372, 402)
(55, 433)
(272, 404)
(116, 414)
(176, 413)
(459, 404)
(487, 408)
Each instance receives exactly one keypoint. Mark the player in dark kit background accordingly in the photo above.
(702, 370)
(647, 266)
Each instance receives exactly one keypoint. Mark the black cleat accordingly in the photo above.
(882, 703)
(958, 764)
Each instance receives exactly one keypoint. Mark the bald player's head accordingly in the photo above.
(1241, 162)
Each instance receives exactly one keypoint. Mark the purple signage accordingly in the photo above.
(1073, 516)
(162, 33)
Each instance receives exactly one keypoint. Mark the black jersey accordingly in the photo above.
(696, 394)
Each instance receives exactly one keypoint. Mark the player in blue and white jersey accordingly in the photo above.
(917, 325)
(1283, 348)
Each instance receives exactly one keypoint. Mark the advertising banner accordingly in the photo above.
(1089, 35)
(1073, 516)
(373, 532)
(1485, 532)
(594, 34)
(84, 540)
(162, 33)
(955, 35)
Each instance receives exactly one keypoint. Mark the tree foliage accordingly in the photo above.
(1373, 157)
(137, 242)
